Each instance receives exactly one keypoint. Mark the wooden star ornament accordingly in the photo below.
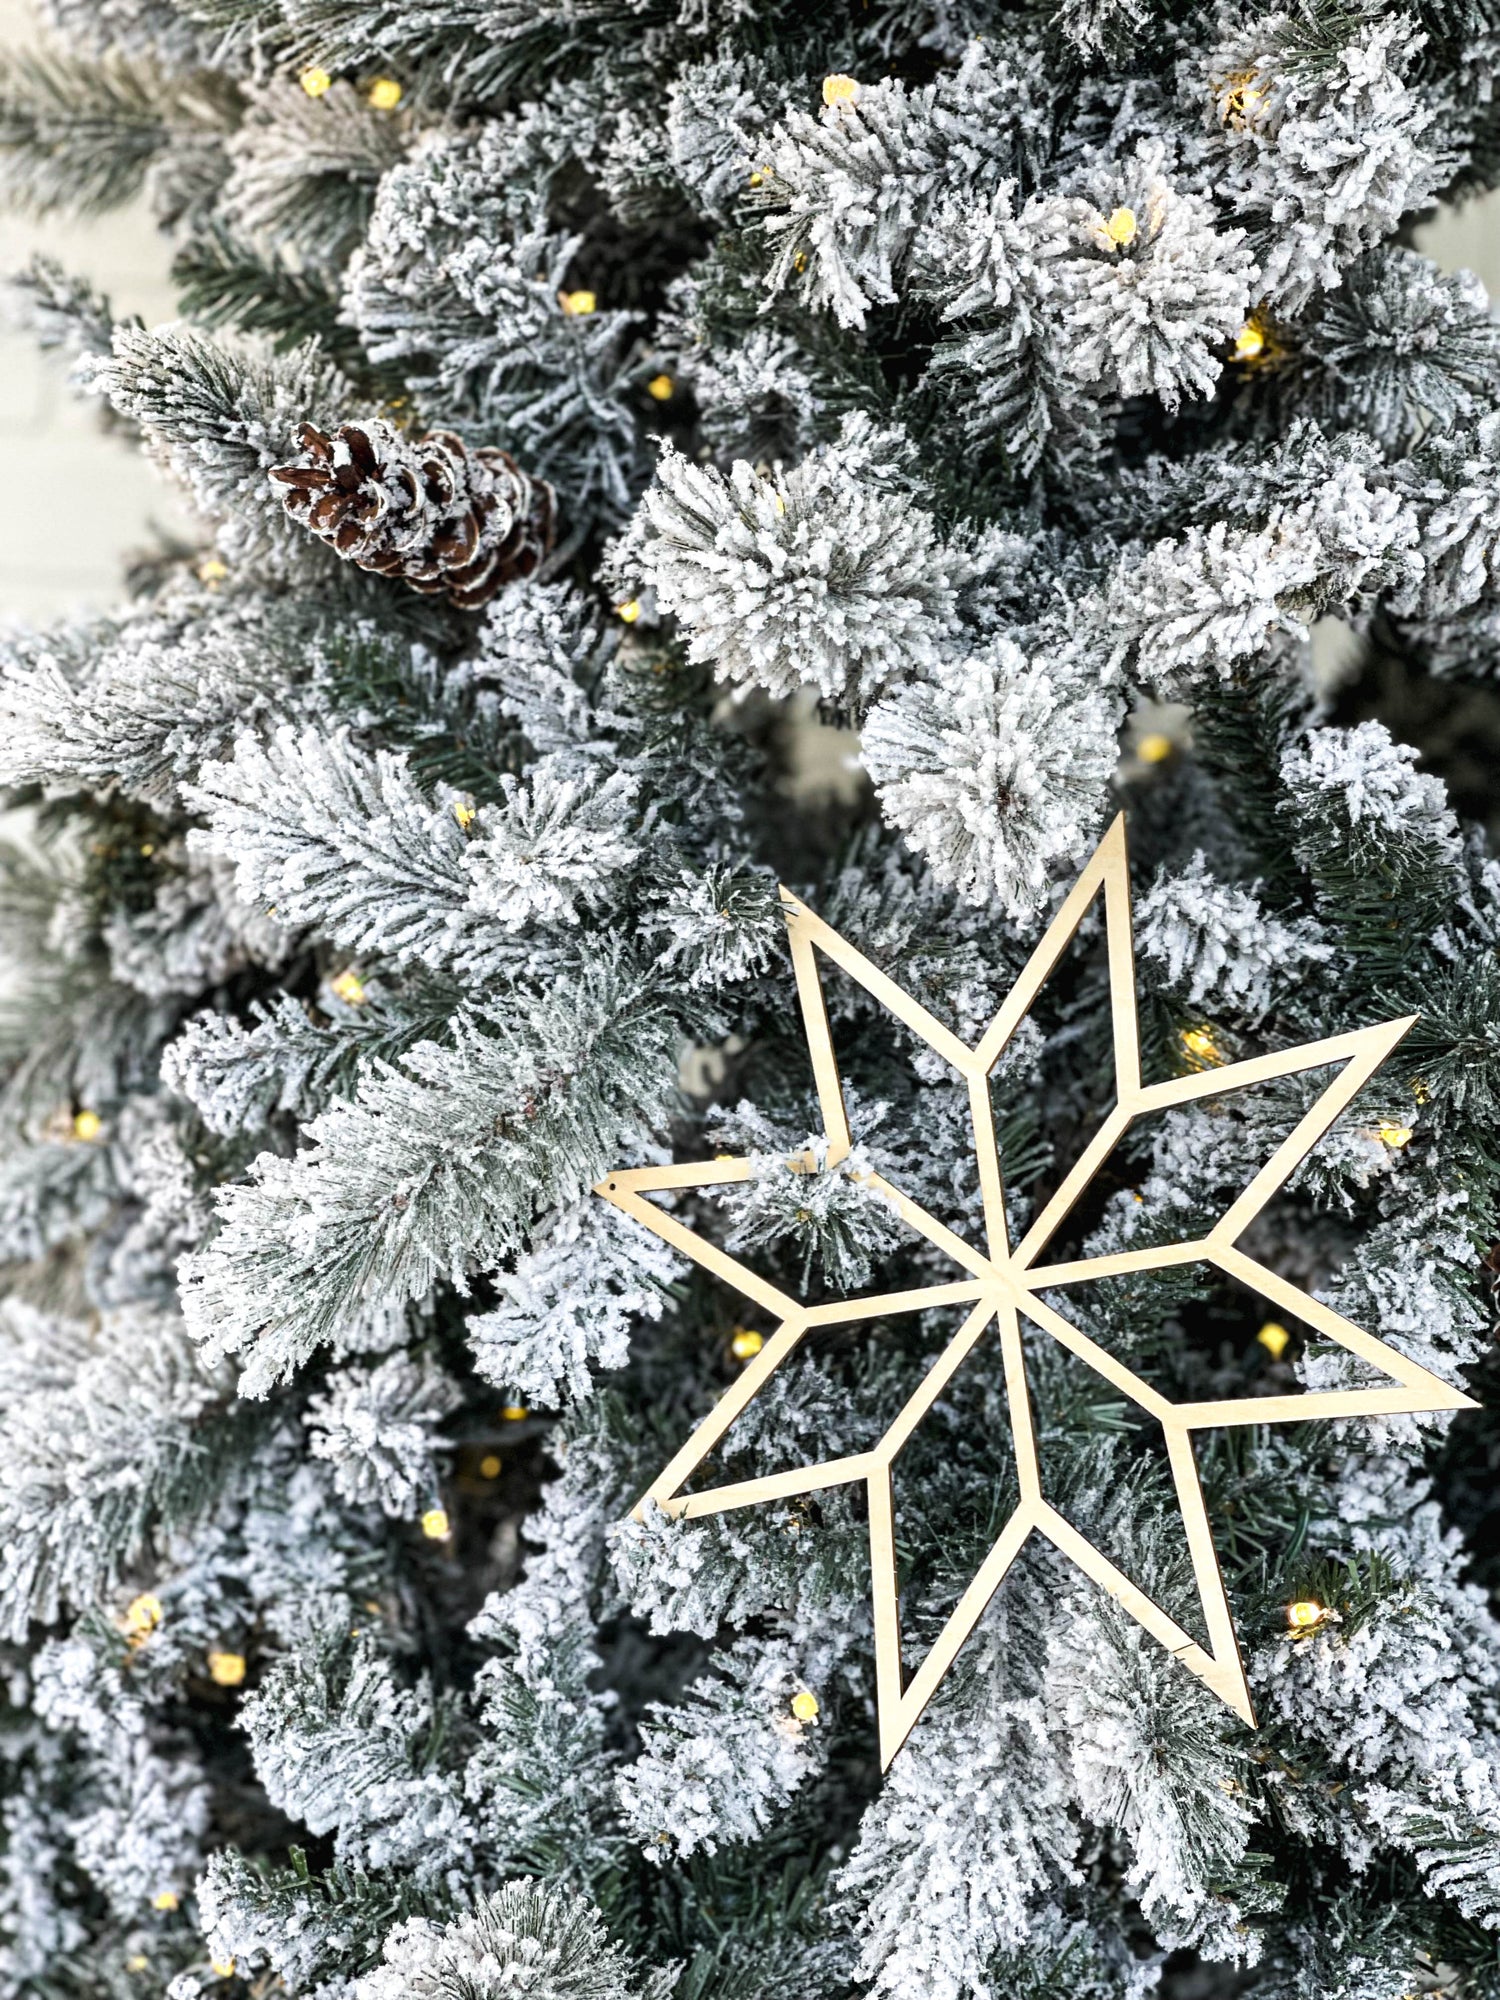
(1005, 1282)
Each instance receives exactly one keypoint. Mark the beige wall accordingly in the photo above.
(74, 501)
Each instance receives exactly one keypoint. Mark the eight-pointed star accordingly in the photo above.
(1006, 1281)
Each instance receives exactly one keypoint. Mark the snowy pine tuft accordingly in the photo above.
(569, 1303)
(994, 769)
(522, 1939)
(1216, 942)
(828, 575)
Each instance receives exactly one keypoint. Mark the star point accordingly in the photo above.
(1002, 1283)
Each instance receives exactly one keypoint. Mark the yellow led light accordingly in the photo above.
(1395, 1136)
(1154, 749)
(350, 988)
(1305, 1614)
(315, 81)
(223, 1967)
(513, 1412)
(630, 610)
(211, 571)
(1243, 99)
(1121, 228)
(143, 1614)
(660, 388)
(1274, 1338)
(747, 1343)
(227, 1670)
(1419, 1090)
(805, 1705)
(137, 1962)
(578, 304)
(435, 1524)
(839, 90)
(1249, 342)
(489, 1466)
(87, 1125)
(1200, 1044)
(165, 1899)
(463, 813)
(385, 93)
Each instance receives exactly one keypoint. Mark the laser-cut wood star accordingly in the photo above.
(1004, 1282)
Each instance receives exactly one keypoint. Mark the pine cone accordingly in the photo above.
(427, 509)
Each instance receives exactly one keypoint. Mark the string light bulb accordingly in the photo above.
(1250, 342)
(629, 611)
(660, 388)
(1305, 1615)
(226, 1670)
(87, 1125)
(578, 305)
(514, 1412)
(805, 1705)
(385, 93)
(165, 1899)
(349, 988)
(839, 89)
(1154, 749)
(489, 1466)
(143, 1614)
(1395, 1136)
(1201, 1046)
(1274, 1338)
(316, 81)
(463, 812)
(746, 1344)
(1122, 228)
(1242, 100)
(435, 1525)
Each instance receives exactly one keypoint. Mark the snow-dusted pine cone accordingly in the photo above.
(426, 509)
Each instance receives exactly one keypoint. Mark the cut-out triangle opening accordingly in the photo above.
(830, 1399)
(1140, 1318)
(1197, 1333)
(954, 1484)
(1023, 1154)
(1060, 1050)
(1176, 1171)
(1105, 1468)
(811, 1238)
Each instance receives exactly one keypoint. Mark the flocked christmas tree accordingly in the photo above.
(576, 396)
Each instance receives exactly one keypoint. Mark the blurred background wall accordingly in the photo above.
(73, 502)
